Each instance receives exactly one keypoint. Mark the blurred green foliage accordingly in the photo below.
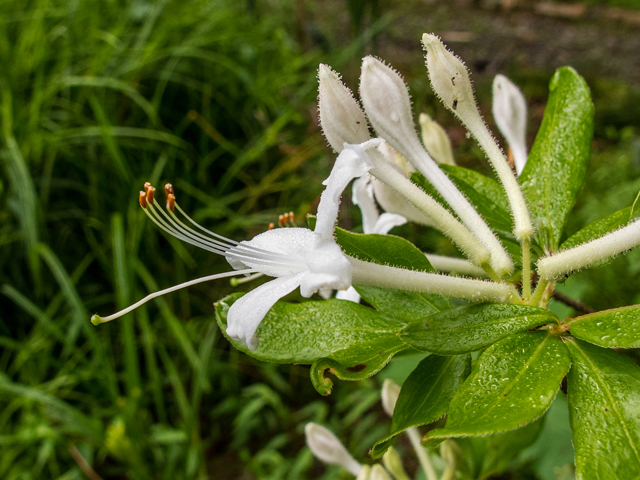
(217, 97)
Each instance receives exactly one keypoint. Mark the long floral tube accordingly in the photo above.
(461, 266)
(442, 219)
(367, 273)
(556, 266)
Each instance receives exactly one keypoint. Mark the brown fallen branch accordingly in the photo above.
(82, 463)
(577, 305)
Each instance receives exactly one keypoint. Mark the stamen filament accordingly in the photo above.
(97, 320)
(239, 281)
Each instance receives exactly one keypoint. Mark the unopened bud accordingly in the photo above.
(510, 114)
(390, 393)
(327, 448)
(379, 473)
(341, 118)
(392, 202)
(393, 463)
(436, 140)
(386, 101)
(365, 473)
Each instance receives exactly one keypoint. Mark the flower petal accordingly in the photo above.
(387, 221)
(353, 162)
(246, 313)
(349, 294)
(363, 197)
(328, 268)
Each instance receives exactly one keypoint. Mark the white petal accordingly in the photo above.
(247, 312)
(390, 394)
(353, 162)
(341, 118)
(387, 221)
(326, 447)
(510, 114)
(364, 199)
(285, 250)
(365, 472)
(379, 473)
(328, 268)
(349, 294)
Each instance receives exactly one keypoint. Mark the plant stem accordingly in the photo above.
(537, 294)
(421, 452)
(526, 269)
(547, 295)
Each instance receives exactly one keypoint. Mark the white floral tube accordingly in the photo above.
(367, 273)
(565, 262)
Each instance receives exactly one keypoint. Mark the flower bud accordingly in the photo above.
(365, 473)
(390, 393)
(393, 463)
(510, 114)
(327, 448)
(436, 140)
(386, 101)
(392, 202)
(379, 473)
(341, 118)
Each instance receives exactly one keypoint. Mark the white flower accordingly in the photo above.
(326, 447)
(510, 114)
(296, 257)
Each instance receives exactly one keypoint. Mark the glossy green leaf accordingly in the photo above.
(398, 252)
(425, 395)
(604, 408)
(599, 228)
(557, 164)
(472, 327)
(305, 332)
(615, 328)
(355, 362)
(512, 384)
(484, 456)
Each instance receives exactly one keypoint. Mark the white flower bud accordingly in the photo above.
(450, 81)
(390, 393)
(327, 448)
(386, 101)
(379, 473)
(365, 473)
(393, 463)
(341, 118)
(436, 140)
(510, 114)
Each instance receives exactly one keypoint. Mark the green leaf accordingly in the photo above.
(472, 327)
(604, 408)
(599, 228)
(305, 332)
(425, 395)
(397, 252)
(513, 383)
(615, 328)
(358, 361)
(557, 164)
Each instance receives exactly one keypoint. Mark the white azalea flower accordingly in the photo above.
(510, 113)
(327, 448)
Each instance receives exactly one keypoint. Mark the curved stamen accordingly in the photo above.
(97, 319)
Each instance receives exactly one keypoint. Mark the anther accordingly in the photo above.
(292, 219)
(146, 185)
(150, 193)
(171, 202)
(286, 219)
(281, 220)
(142, 198)
(271, 226)
(168, 189)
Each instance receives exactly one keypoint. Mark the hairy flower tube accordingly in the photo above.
(327, 448)
(450, 81)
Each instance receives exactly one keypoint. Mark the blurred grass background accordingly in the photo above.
(218, 97)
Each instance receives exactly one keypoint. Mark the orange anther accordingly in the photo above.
(171, 201)
(168, 189)
(146, 185)
(150, 193)
(292, 218)
(271, 226)
(286, 218)
(142, 198)
(281, 220)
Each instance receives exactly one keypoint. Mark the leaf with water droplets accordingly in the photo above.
(615, 328)
(305, 332)
(604, 409)
(471, 327)
(557, 164)
(425, 395)
(512, 384)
